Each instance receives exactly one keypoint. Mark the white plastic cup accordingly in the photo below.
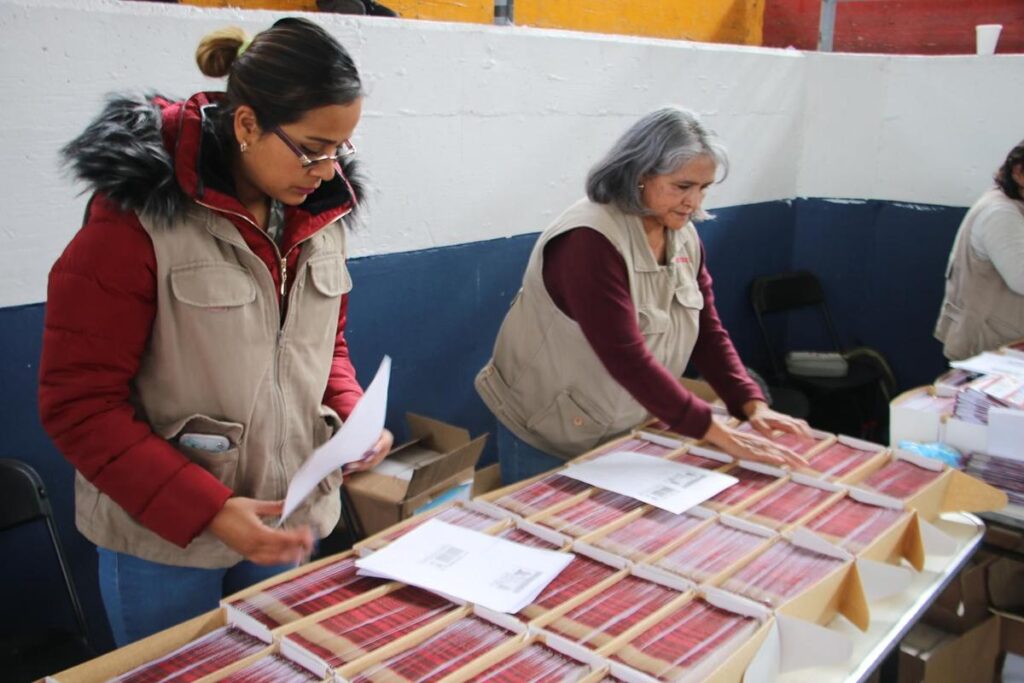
(987, 36)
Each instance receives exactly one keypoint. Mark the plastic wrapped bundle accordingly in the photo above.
(209, 653)
(580, 575)
(454, 514)
(787, 504)
(635, 445)
(602, 617)
(648, 533)
(900, 479)
(696, 638)
(439, 655)
(272, 669)
(781, 572)
(348, 635)
(750, 483)
(853, 525)
(517, 535)
(590, 514)
(541, 494)
(710, 551)
(536, 663)
(840, 458)
(307, 593)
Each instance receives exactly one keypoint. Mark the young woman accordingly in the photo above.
(616, 300)
(194, 352)
(984, 304)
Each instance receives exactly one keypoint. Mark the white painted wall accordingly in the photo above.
(477, 132)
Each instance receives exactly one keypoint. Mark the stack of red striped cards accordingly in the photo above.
(597, 510)
(798, 443)
(323, 585)
(581, 575)
(651, 532)
(639, 442)
(794, 500)
(782, 572)
(273, 668)
(853, 524)
(208, 654)
(714, 549)
(845, 455)
(539, 494)
(703, 456)
(753, 479)
(902, 477)
(345, 636)
(607, 614)
(542, 659)
(534, 536)
(463, 514)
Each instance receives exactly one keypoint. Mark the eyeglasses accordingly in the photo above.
(345, 149)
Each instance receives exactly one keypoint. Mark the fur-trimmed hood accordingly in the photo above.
(155, 156)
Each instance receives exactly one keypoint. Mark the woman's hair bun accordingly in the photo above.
(218, 50)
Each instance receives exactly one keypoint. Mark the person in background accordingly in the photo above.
(616, 300)
(193, 351)
(984, 303)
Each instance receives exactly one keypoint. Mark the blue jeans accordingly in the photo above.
(519, 460)
(143, 597)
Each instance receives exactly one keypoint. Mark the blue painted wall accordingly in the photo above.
(436, 312)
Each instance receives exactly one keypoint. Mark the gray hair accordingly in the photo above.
(661, 142)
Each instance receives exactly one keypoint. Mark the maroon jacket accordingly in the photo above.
(158, 157)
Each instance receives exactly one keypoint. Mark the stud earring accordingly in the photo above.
(640, 186)
(243, 146)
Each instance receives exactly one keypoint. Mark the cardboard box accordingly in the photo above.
(931, 655)
(909, 418)
(964, 602)
(436, 466)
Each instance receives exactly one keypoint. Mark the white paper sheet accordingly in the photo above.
(989, 363)
(1006, 433)
(357, 436)
(668, 485)
(465, 564)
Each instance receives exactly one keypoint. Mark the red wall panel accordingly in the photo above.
(896, 26)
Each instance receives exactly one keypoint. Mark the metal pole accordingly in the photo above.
(826, 25)
(503, 12)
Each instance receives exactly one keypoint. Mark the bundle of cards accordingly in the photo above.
(459, 515)
(272, 669)
(781, 572)
(1004, 473)
(843, 456)
(536, 663)
(973, 402)
(900, 479)
(787, 504)
(210, 653)
(648, 444)
(750, 483)
(648, 533)
(582, 574)
(541, 494)
(711, 551)
(853, 525)
(596, 511)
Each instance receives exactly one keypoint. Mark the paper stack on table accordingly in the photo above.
(468, 565)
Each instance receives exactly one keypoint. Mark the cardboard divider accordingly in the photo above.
(840, 592)
(908, 420)
(564, 647)
(124, 659)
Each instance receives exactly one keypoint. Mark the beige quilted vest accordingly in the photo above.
(545, 383)
(979, 312)
(218, 362)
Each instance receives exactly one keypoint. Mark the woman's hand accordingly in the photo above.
(765, 420)
(745, 446)
(373, 456)
(239, 526)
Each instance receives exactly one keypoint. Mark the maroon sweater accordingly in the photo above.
(587, 279)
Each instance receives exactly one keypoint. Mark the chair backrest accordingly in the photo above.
(790, 291)
(24, 500)
(24, 495)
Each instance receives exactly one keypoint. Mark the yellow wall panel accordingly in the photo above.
(285, 5)
(716, 21)
(472, 11)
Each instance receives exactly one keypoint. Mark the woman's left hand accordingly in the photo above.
(765, 420)
(373, 456)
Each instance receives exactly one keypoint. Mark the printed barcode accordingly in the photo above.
(515, 580)
(445, 556)
(685, 479)
(663, 492)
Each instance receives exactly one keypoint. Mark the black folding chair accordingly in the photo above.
(855, 403)
(31, 652)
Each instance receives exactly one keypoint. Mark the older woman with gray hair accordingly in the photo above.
(616, 301)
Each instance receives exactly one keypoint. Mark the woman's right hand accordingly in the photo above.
(749, 446)
(239, 526)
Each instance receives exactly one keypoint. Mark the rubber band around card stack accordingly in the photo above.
(840, 458)
(348, 635)
(710, 551)
(786, 504)
(206, 655)
(600, 618)
(750, 483)
(900, 479)
(272, 669)
(305, 594)
(580, 575)
(541, 494)
(696, 635)
(647, 534)
(439, 655)
(781, 572)
(536, 663)
(853, 525)
(596, 511)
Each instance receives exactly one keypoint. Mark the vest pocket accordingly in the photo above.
(572, 423)
(690, 296)
(212, 285)
(330, 275)
(222, 464)
(653, 321)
